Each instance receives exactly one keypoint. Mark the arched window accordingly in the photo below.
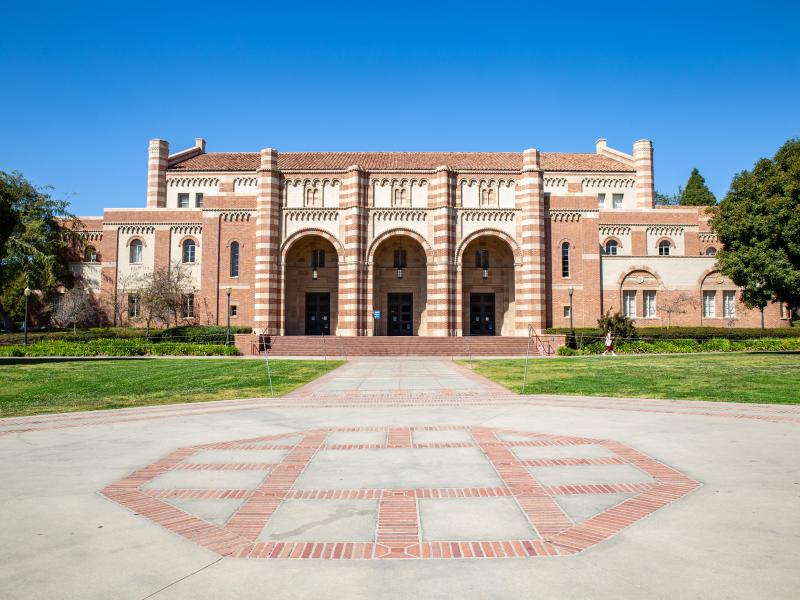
(189, 248)
(90, 254)
(565, 259)
(611, 247)
(711, 251)
(234, 259)
(664, 248)
(135, 253)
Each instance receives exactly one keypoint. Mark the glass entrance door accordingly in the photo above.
(318, 313)
(481, 314)
(401, 315)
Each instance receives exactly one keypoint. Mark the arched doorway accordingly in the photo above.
(399, 286)
(488, 303)
(311, 287)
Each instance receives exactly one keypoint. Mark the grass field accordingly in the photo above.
(74, 385)
(772, 378)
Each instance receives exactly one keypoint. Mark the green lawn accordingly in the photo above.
(73, 385)
(742, 377)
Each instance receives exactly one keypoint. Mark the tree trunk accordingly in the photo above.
(8, 324)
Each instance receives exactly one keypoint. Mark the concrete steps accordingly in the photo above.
(402, 346)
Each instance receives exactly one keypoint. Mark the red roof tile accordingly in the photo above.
(388, 161)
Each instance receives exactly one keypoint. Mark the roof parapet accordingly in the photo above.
(198, 148)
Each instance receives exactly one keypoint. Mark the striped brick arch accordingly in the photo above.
(423, 492)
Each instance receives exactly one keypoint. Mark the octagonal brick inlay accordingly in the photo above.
(401, 492)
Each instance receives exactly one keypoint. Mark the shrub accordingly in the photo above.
(620, 326)
(689, 346)
(698, 333)
(200, 334)
(566, 351)
(117, 347)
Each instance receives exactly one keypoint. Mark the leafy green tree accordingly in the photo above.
(36, 234)
(696, 192)
(620, 326)
(666, 200)
(758, 223)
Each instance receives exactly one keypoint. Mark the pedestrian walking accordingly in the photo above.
(609, 344)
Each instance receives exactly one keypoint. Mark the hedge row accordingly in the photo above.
(676, 346)
(193, 333)
(117, 347)
(696, 333)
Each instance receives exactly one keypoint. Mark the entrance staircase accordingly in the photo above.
(544, 345)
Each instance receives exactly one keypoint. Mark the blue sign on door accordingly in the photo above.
(376, 314)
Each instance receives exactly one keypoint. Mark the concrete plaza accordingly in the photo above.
(403, 478)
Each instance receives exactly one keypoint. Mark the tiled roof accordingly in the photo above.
(388, 161)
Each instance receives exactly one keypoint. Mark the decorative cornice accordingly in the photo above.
(488, 214)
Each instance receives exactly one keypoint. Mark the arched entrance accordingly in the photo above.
(399, 286)
(311, 287)
(488, 303)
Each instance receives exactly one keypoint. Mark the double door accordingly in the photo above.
(481, 314)
(401, 314)
(318, 313)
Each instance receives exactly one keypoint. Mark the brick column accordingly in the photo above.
(108, 249)
(353, 307)
(267, 284)
(441, 274)
(643, 160)
(529, 278)
(157, 158)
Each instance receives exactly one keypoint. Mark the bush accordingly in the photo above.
(697, 333)
(620, 326)
(200, 334)
(117, 347)
(689, 346)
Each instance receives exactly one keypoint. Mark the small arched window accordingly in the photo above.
(711, 251)
(611, 247)
(664, 248)
(90, 254)
(234, 259)
(565, 259)
(135, 252)
(189, 248)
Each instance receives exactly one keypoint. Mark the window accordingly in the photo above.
(611, 247)
(601, 200)
(187, 306)
(729, 304)
(317, 259)
(785, 312)
(664, 248)
(565, 259)
(481, 259)
(711, 251)
(487, 197)
(90, 254)
(649, 297)
(709, 305)
(399, 259)
(135, 256)
(134, 306)
(189, 248)
(233, 310)
(616, 199)
(183, 200)
(198, 200)
(567, 312)
(629, 303)
(234, 259)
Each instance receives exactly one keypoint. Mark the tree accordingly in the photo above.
(620, 326)
(73, 307)
(758, 223)
(36, 234)
(666, 200)
(676, 305)
(163, 292)
(696, 192)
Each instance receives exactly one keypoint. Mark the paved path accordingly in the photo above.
(403, 478)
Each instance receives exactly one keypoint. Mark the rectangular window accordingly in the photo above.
(188, 306)
(481, 259)
(134, 306)
(234, 310)
(649, 298)
(617, 200)
(784, 311)
(400, 259)
(566, 312)
(729, 304)
(198, 200)
(183, 200)
(317, 259)
(709, 305)
(601, 200)
(565, 259)
(629, 303)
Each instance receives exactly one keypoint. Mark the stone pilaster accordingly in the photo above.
(157, 159)
(643, 160)
(441, 274)
(267, 270)
(529, 280)
(353, 307)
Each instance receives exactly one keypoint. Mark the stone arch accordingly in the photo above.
(297, 235)
(136, 237)
(609, 239)
(621, 279)
(426, 247)
(515, 249)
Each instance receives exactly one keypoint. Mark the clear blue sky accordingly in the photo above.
(85, 87)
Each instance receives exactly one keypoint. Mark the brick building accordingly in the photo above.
(441, 244)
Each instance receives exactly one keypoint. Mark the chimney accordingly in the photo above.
(157, 159)
(643, 163)
(200, 143)
(600, 145)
